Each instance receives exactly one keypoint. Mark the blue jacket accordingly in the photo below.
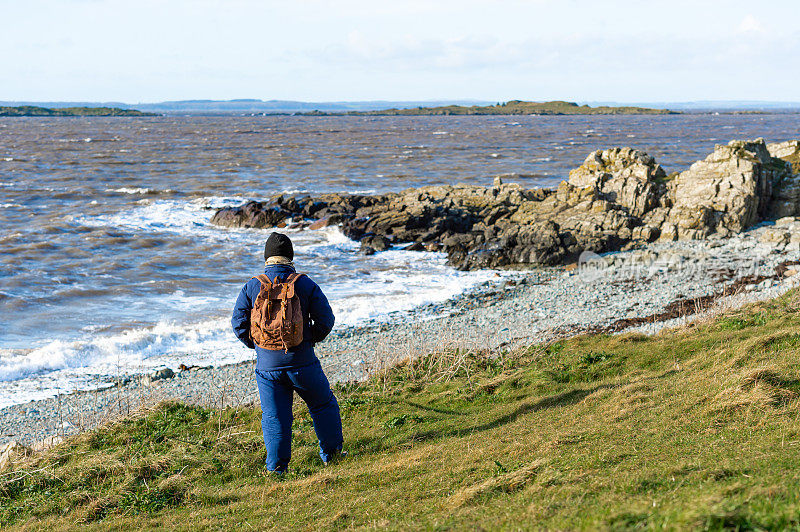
(316, 311)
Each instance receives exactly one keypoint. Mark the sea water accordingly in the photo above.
(109, 265)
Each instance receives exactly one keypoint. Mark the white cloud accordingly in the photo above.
(750, 24)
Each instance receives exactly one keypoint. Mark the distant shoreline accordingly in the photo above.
(256, 107)
(33, 111)
(513, 107)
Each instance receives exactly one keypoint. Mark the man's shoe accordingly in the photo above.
(275, 472)
(336, 457)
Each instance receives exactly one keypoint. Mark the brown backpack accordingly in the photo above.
(276, 321)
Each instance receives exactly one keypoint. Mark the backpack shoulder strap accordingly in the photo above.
(264, 280)
(293, 277)
(290, 282)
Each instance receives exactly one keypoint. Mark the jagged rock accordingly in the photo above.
(373, 243)
(688, 223)
(253, 214)
(786, 199)
(332, 219)
(416, 246)
(789, 151)
(623, 176)
(727, 192)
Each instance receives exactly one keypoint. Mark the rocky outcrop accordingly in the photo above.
(727, 192)
(617, 199)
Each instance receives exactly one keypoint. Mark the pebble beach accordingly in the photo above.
(517, 309)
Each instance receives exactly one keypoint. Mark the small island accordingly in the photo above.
(30, 110)
(513, 107)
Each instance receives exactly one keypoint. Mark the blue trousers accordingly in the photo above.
(276, 390)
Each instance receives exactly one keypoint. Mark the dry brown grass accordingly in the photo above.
(506, 483)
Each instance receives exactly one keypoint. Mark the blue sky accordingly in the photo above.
(631, 51)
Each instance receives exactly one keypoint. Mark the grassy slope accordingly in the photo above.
(694, 428)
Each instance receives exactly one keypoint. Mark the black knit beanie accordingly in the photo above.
(278, 245)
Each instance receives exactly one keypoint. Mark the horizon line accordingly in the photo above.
(410, 100)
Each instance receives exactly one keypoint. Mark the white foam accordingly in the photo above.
(360, 288)
(170, 216)
(87, 139)
(9, 205)
(8, 159)
(129, 190)
(86, 364)
(400, 283)
(128, 352)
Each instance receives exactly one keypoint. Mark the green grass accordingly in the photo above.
(794, 162)
(691, 429)
(736, 323)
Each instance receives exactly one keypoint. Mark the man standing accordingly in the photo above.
(281, 315)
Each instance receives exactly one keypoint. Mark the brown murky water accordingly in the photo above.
(106, 256)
